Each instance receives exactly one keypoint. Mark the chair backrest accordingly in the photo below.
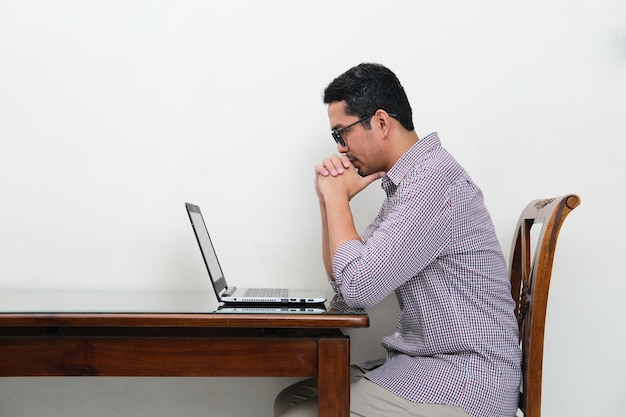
(530, 283)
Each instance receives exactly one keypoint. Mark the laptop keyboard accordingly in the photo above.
(267, 292)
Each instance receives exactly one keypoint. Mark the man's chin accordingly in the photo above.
(362, 172)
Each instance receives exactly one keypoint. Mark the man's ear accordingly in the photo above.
(381, 121)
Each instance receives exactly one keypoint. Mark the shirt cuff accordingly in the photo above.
(344, 256)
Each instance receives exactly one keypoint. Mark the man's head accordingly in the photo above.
(367, 88)
(370, 117)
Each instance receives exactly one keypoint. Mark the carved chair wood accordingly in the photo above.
(531, 269)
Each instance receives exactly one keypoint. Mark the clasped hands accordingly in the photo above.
(337, 177)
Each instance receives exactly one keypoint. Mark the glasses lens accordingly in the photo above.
(338, 138)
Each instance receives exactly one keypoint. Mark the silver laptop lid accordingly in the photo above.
(207, 249)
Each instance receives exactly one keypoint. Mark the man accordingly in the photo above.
(455, 350)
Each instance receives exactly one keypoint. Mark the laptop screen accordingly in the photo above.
(206, 247)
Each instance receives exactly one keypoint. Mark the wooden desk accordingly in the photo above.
(183, 344)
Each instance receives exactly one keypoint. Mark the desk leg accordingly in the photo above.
(334, 377)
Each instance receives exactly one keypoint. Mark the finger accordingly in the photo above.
(333, 165)
(345, 161)
(321, 170)
(338, 163)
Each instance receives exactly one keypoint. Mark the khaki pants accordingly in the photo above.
(366, 400)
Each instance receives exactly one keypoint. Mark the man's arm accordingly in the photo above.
(337, 181)
(339, 221)
(326, 256)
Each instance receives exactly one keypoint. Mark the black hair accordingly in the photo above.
(368, 87)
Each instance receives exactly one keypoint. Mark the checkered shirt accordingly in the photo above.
(433, 244)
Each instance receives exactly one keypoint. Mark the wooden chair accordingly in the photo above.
(530, 282)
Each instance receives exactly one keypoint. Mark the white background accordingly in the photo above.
(114, 113)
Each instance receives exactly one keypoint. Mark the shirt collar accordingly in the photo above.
(408, 160)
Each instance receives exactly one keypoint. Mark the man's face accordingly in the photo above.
(361, 144)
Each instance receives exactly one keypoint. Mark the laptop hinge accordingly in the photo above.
(229, 291)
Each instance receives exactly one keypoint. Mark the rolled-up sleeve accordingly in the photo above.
(408, 234)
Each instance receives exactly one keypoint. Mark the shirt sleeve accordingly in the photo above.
(411, 231)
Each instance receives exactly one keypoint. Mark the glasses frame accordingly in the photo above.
(336, 133)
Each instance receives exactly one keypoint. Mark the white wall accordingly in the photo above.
(114, 113)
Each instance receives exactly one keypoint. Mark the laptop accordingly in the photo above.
(231, 294)
(243, 308)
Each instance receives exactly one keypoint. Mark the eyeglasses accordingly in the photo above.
(338, 132)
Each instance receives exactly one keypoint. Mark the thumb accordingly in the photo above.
(372, 177)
